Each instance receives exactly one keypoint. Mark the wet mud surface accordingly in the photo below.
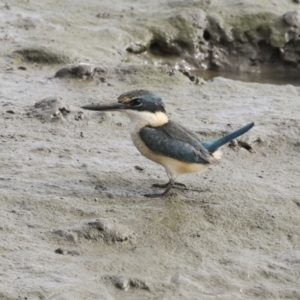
(74, 222)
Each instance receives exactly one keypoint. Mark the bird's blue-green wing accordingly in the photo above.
(177, 142)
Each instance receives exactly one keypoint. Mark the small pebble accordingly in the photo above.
(22, 68)
(138, 168)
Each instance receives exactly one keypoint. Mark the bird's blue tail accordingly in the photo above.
(214, 145)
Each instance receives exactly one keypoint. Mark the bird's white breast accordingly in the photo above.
(139, 119)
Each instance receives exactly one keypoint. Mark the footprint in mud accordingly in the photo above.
(97, 230)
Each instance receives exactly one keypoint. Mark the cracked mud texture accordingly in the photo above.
(74, 222)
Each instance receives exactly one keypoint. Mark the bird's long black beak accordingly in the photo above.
(105, 107)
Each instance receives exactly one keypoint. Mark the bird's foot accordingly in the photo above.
(154, 195)
(168, 187)
(162, 186)
(166, 184)
(180, 184)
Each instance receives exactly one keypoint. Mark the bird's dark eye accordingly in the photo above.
(136, 102)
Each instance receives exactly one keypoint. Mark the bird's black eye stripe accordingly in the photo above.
(136, 102)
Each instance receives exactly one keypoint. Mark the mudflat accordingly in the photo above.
(74, 221)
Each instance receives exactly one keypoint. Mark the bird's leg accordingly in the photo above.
(169, 185)
(164, 185)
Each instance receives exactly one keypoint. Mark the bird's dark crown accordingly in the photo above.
(142, 100)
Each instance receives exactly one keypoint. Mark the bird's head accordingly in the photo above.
(139, 105)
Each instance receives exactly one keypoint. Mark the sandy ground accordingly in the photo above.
(74, 223)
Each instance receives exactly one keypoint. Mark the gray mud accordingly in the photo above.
(74, 222)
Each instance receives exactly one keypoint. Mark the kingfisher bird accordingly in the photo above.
(176, 148)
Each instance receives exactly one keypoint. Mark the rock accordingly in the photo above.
(136, 48)
(49, 108)
(67, 235)
(126, 283)
(54, 108)
(292, 18)
(66, 252)
(81, 70)
(191, 77)
(237, 40)
(10, 111)
(178, 36)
